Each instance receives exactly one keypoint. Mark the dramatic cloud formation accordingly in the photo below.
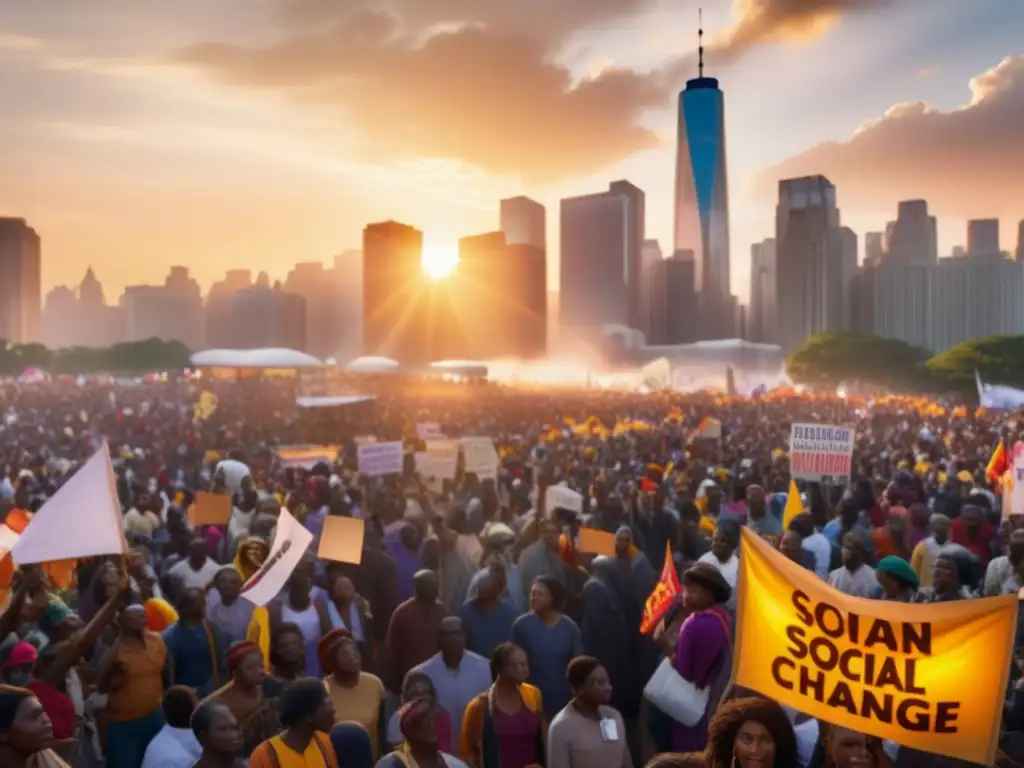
(966, 161)
(476, 80)
(760, 21)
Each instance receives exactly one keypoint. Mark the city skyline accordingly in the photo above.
(140, 140)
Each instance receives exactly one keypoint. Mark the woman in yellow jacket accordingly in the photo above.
(504, 727)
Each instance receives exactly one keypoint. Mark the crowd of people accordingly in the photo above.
(473, 631)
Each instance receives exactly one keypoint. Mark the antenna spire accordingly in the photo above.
(700, 41)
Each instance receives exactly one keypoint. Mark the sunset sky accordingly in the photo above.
(136, 134)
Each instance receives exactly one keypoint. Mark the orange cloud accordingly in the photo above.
(760, 21)
(965, 161)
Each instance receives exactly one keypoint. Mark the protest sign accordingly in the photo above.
(290, 543)
(663, 596)
(595, 542)
(342, 539)
(82, 519)
(1016, 484)
(817, 451)
(306, 456)
(379, 459)
(430, 431)
(560, 497)
(210, 509)
(443, 458)
(887, 669)
(481, 458)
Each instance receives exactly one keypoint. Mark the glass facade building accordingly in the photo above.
(701, 195)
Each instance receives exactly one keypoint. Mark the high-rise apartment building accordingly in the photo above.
(311, 281)
(634, 244)
(220, 329)
(600, 257)
(268, 316)
(650, 255)
(701, 216)
(816, 259)
(20, 282)
(524, 221)
(396, 320)
(347, 285)
(940, 305)
(983, 237)
(761, 315)
(913, 238)
(1020, 241)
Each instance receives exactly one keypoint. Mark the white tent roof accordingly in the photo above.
(268, 357)
(372, 365)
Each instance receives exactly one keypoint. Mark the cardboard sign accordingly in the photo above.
(560, 497)
(891, 670)
(481, 458)
(442, 459)
(210, 509)
(1017, 481)
(595, 542)
(379, 459)
(342, 539)
(430, 431)
(817, 451)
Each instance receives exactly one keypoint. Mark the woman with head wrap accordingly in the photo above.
(357, 696)
(954, 572)
(898, 580)
(249, 556)
(26, 733)
(307, 715)
(419, 687)
(417, 721)
(255, 712)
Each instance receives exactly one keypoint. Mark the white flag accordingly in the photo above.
(82, 519)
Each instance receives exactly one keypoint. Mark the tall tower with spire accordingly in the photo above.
(701, 215)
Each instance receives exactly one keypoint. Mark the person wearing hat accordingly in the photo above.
(898, 580)
(701, 654)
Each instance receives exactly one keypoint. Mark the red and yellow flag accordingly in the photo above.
(997, 465)
(660, 600)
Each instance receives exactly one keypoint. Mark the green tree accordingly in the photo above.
(131, 357)
(830, 358)
(998, 359)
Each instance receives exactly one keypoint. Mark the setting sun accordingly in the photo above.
(439, 260)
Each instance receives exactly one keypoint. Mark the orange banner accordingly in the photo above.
(665, 592)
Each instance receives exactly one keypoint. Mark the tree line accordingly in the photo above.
(129, 357)
(832, 358)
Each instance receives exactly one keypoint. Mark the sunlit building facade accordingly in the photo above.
(392, 285)
(20, 282)
(701, 217)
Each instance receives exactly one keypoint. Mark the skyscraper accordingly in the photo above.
(913, 238)
(1020, 241)
(816, 260)
(634, 245)
(394, 307)
(702, 197)
(650, 255)
(600, 257)
(524, 221)
(982, 237)
(673, 300)
(20, 282)
(761, 316)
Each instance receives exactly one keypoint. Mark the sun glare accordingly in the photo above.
(439, 261)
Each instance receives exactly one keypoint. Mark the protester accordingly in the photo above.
(217, 731)
(176, 745)
(198, 570)
(25, 731)
(925, 553)
(197, 648)
(855, 577)
(419, 687)
(348, 610)
(356, 696)
(225, 608)
(254, 711)
(419, 747)
(587, 732)
(351, 744)
(897, 579)
(458, 675)
(751, 733)
(551, 640)
(415, 626)
(505, 726)
(307, 715)
(487, 618)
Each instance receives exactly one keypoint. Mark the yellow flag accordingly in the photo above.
(890, 670)
(794, 506)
